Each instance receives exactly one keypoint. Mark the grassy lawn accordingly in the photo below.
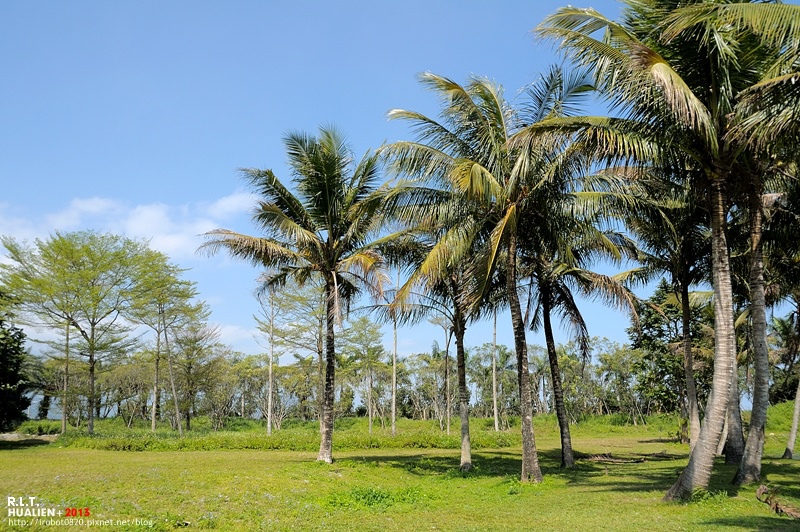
(622, 474)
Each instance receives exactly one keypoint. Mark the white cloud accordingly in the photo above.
(240, 337)
(172, 229)
(237, 203)
(14, 225)
(74, 217)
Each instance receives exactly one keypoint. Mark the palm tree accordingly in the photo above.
(679, 73)
(672, 239)
(557, 267)
(326, 232)
(471, 154)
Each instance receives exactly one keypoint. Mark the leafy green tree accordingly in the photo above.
(84, 280)
(14, 383)
(196, 346)
(272, 314)
(327, 233)
(361, 342)
(163, 302)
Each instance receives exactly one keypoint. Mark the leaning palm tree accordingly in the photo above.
(327, 232)
(679, 69)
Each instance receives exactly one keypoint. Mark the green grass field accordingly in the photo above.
(622, 473)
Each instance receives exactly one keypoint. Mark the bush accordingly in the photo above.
(40, 427)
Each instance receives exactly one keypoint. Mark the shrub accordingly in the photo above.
(40, 427)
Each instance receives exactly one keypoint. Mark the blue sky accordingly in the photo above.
(133, 117)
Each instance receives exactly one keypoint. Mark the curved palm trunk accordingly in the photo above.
(463, 392)
(326, 418)
(567, 456)
(698, 471)
(688, 367)
(530, 458)
(789, 452)
(750, 467)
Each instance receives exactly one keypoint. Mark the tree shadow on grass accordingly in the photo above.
(627, 476)
(494, 464)
(784, 475)
(11, 445)
(753, 522)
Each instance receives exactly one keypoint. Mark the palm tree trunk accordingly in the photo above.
(688, 367)
(530, 458)
(326, 425)
(789, 452)
(463, 392)
(750, 467)
(567, 457)
(701, 460)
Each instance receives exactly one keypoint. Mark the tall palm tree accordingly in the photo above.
(328, 232)
(442, 301)
(557, 266)
(672, 238)
(678, 69)
(470, 152)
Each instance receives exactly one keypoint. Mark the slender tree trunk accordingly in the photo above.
(66, 382)
(463, 391)
(688, 367)
(530, 458)
(789, 452)
(447, 402)
(321, 338)
(750, 467)
(326, 425)
(271, 360)
(394, 377)
(567, 457)
(369, 398)
(172, 382)
(494, 374)
(92, 398)
(701, 460)
(156, 398)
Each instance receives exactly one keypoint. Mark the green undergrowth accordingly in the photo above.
(349, 434)
(352, 434)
